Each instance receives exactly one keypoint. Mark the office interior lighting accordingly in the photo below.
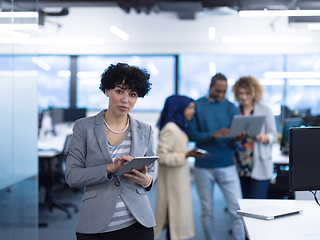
(300, 75)
(89, 81)
(212, 33)
(89, 74)
(271, 82)
(41, 64)
(118, 32)
(278, 13)
(19, 15)
(56, 41)
(313, 26)
(64, 73)
(19, 73)
(15, 26)
(304, 82)
(153, 68)
(267, 39)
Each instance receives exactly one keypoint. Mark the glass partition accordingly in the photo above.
(18, 134)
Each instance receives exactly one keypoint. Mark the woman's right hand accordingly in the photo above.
(194, 153)
(118, 163)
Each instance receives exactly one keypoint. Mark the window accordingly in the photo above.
(53, 81)
(196, 71)
(90, 68)
(303, 83)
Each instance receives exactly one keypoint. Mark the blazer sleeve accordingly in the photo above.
(167, 153)
(76, 172)
(270, 128)
(150, 152)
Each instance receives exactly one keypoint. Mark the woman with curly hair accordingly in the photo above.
(254, 154)
(113, 207)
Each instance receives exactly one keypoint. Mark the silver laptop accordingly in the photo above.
(251, 124)
(269, 212)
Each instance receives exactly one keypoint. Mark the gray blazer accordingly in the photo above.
(86, 166)
(262, 153)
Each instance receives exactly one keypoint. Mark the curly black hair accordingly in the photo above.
(131, 77)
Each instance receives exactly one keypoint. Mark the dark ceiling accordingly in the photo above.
(185, 9)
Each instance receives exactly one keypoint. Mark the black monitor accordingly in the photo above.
(304, 159)
(72, 114)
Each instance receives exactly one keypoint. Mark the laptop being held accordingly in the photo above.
(250, 125)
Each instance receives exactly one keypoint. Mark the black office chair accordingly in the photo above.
(58, 179)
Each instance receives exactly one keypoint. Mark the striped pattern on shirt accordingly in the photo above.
(121, 217)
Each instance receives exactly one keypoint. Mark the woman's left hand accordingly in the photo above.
(262, 138)
(140, 177)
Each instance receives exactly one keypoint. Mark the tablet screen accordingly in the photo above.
(136, 163)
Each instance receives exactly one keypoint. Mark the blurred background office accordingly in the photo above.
(51, 59)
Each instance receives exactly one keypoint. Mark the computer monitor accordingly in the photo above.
(288, 123)
(304, 159)
(57, 116)
(72, 114)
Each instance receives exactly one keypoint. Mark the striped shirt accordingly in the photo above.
(121, 217)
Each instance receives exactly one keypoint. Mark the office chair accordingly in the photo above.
(58, 180)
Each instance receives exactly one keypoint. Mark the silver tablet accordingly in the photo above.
(269, 212)
(252, 124)
(136, 163)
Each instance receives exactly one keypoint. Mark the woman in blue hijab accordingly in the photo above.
(173, 202)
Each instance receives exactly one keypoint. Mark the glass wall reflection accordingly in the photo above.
(18, 138)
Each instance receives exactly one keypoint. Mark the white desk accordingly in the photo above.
(277, 156)
(303, 226)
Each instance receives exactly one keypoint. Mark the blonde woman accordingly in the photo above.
(254, 154)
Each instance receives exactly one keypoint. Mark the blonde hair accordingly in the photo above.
(252, 86)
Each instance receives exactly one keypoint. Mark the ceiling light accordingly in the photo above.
(53, 41)
(304, 82)
(89, 74)
(18, 14)
(89, 81)
(19, 73)
(278, 13)
(267, 39)
(41, 64)
(121, 34)
(300, 75)
(271, 82)
(212, 33)
(63, 73)
(153, 69)
(313, 26)
(63, 41)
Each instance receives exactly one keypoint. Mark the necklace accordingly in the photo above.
(116, 131)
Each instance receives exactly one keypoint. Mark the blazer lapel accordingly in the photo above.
(101, 136)
(136, 137)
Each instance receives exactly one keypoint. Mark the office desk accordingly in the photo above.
(51, 172)
(303, 226)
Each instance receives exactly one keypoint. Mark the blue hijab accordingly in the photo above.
(173, 111)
